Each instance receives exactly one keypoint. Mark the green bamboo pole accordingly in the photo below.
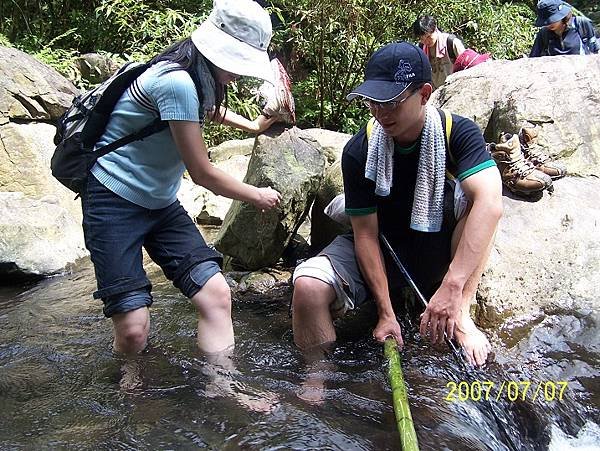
(404, 421)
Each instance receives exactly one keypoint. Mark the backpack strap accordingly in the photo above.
(154, 127)
(369, 128)
(587, 33)
(450, 47)
(446, 117)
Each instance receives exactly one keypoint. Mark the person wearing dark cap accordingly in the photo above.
(441, 226)
(562, 33)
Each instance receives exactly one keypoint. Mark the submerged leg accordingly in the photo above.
(314, 333)
(213, 304)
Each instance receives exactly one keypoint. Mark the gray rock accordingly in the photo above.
(272, 285)
(203, 205)
(332, 142)
(546, 254)
(230, 149)
(96, 68)
(323, 228)
(30, 90)
(40, 222)
(561, 94)
(291, 163)
(37, 238)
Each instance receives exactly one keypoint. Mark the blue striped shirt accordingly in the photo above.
(148, 172)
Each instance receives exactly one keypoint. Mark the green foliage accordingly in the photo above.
(4, 42)
(589, 8)
(143, 28)
(242, 99)
(333, 40)
(324, 43)
(63, 60)
(505, 29)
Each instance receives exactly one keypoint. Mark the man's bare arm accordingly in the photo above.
(372, 266)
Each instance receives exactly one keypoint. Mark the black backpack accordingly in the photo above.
(82, 125)
(450, 47)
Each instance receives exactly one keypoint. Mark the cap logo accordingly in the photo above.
(404, 73)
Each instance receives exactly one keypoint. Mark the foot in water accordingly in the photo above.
(474, 342)
(312, 390)
(249, 398)
(222, 382)
(131, 376)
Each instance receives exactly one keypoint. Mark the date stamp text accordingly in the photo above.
(512, 391)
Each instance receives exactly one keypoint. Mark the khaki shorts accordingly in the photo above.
(426, 256)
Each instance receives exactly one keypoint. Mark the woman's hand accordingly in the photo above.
(263, 122)
(258, 125)
(267, 198)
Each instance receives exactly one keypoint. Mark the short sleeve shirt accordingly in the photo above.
(148, 172)
(469, 156)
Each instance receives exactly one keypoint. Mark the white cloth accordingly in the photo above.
(380, 160)
(428, 204)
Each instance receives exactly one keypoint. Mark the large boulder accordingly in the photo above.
(30, 90)
(96, 68)
(546, 254)
(332, 142)
(292, 163)
(231, 149)
(39, 237)
(204, 206)
(560, 94)
(41, 222)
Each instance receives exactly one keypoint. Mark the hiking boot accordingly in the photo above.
(534, 153)
(518, 174)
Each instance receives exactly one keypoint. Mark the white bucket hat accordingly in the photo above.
(235, 38)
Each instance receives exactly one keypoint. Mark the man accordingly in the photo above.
(441, 48)
(445, 255)
(561, 33)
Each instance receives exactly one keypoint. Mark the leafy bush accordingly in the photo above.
(4, 41)
(324, 43)
(332, 41)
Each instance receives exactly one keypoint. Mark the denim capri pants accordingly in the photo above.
(115, 231)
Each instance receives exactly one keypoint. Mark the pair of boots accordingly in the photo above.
(524, 167)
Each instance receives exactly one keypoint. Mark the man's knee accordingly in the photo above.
(310, 293)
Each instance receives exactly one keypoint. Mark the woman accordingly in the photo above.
(441, 48)
(130, 201)
(562, 33)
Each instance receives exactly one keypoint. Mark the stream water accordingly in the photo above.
(60, 382)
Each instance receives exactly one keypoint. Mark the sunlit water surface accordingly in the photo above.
(59, 381)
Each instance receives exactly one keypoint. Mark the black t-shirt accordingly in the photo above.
(469, 156)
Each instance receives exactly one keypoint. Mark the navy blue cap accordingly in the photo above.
(391, 70)
(550, 11)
